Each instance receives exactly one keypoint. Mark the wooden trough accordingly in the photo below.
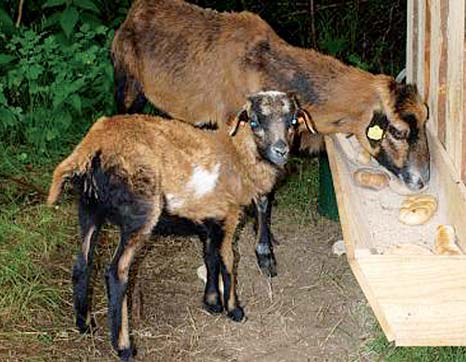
(419, 300)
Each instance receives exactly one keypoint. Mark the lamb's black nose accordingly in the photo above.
(280, 148)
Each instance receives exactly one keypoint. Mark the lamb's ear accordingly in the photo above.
(303, 117)
(240, 120)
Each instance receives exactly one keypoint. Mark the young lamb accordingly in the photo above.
(128, 169)
(198, 64)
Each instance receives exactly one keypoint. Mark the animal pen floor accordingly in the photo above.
(313, 311)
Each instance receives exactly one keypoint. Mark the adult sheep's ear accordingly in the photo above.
(303, 117)
(240, 119)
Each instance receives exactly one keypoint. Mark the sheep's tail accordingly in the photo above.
(76, 163)
(61, 174)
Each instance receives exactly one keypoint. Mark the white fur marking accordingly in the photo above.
(203, 181)
(271, 93)
(202, 123)
(173, 201)
(286, 106)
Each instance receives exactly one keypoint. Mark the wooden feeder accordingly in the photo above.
(419, 300)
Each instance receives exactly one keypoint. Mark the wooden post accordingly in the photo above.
(420, 51)
(410, 43)
(435, 50)
(455, 71)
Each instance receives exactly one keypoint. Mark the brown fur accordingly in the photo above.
(198, 64)
(241, 175)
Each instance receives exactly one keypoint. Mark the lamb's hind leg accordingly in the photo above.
(264, 247)
(90, 223)
(117, 282)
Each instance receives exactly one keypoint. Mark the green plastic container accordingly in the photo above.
(327, 202)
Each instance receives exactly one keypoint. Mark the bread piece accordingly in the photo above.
(445, 241)
(418, 209)
(371, 179)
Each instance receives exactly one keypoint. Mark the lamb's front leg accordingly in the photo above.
(212, 300)
(264, 247)
(228, 267)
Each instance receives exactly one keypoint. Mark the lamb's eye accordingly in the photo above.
(254, 124)
(294, 122)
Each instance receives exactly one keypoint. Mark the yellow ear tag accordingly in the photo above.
(375, 133)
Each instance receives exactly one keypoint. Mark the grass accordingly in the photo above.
(382, 350)
(300, 191)
(31, 237)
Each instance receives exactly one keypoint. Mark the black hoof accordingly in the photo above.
(83, 327)
(213, 308)
(236, 314)
(267, 264)
(126, 355)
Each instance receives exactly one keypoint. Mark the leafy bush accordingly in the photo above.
(50, 90)
(67, 14)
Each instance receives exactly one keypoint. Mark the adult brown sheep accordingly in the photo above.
(199, 64)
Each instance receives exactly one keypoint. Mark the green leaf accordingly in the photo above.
(53, 3)
(50, 135)
(75, 102)
(51, 20)
(7, 118)
(5, 20)
(90, 19)
(6, 58)
(68, 20)
(87, 5)
(65, 120)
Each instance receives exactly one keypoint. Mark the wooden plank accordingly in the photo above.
(350, 224)
(434, 77)
(427, 40)
(410, 43)
(345, 198)
(454, 96)
(423, 297)
(463, 167)
(454, 190)
(441, 101)
(420, 23)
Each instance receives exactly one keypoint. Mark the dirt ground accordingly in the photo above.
(312, 311)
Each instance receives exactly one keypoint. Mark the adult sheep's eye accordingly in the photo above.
(399, 135)
(294, 122)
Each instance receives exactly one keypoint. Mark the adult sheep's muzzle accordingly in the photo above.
(416, 179)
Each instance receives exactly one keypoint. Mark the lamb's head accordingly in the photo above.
(396, 136)
(274, 118)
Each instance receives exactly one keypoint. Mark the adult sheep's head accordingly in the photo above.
(396, 135)
(274, 118)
